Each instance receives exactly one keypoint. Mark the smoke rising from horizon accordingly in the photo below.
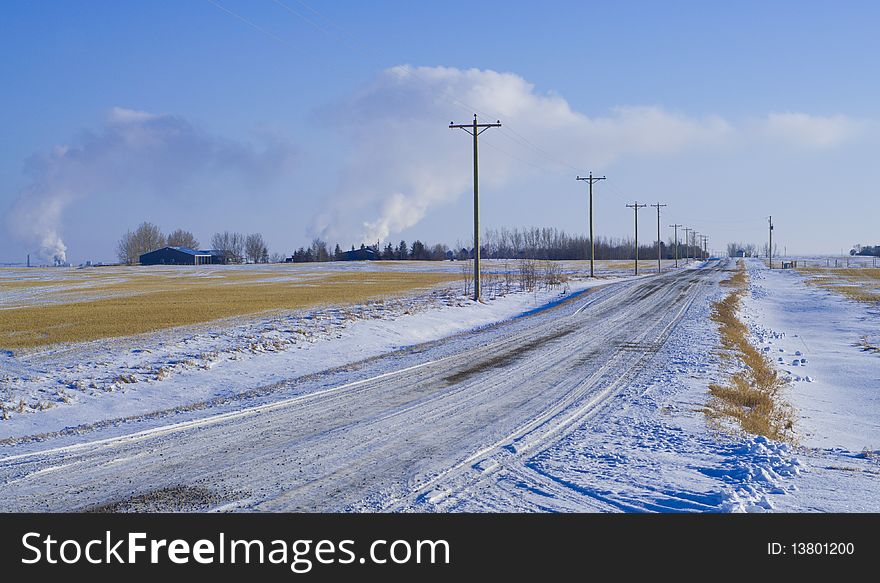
(134, 154)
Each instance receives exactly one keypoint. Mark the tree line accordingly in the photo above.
(236, 247)
(544, 243)
(549, 243)
(319, 251)
(737, 249)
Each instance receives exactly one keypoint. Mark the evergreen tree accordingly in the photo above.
(418, 250)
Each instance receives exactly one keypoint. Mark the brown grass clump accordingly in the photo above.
(752, 396)
(867, 346)
(196, 303)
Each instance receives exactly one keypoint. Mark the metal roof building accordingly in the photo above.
(365, 254)
(177, 256)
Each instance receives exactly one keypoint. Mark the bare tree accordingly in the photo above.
(528, 275)
(466, 269)
(319, 250)
(125, 249)
(508, 278)
(231, 244)
(147, 237)
(255, 248)
(181, 238)
(552, 274)
(748, 249)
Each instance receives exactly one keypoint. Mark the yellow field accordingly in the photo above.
(862, 284)
(110, 304)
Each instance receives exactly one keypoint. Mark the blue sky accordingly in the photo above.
(186, 115)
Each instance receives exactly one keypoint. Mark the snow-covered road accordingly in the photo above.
(446, 415)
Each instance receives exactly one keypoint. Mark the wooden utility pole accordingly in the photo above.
(687, 244)
(705, 246)
(475, 129)
(676, 226)
(770, 248)
(591, 180)
(635, 207)
(658, 205)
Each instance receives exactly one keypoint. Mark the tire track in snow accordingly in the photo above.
(512, 449)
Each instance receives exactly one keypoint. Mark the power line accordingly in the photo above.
(617, 190)
(305, 18)
(635, 207)
(475, 129)
(676, 226)
(687, 245)
(249, 22)
(590, 180)
(658, 205)
(539, 150)
(487, 142)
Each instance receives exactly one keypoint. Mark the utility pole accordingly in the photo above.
(591, 180)
(635, 207)
(658, 205)
(770, 248)
(705, 247)
(687, 246)
(694, 236)
(475, 129)
(676, 226)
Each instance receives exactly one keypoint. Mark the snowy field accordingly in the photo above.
(598, 404)
(816, 336)
(47, 389)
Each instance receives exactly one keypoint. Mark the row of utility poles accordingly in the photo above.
(696, 240)
(475, 129)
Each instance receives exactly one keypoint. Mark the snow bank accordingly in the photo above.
(756, 469)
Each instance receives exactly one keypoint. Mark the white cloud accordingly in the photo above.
(405, 162)
(121, 115)
(801, 129)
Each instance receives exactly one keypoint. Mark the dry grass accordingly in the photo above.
(861, 284)
(28, 283)
(866, 346)
(751, 397)
(195, 301)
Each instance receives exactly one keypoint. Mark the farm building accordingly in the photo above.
(364, 254)
(218, 257)
(179, 256)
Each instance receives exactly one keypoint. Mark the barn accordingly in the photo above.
(364, 254)
(177, 256)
